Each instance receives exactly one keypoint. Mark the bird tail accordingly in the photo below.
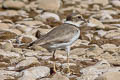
(31, 44)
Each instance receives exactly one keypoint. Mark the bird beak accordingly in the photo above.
(86, 21)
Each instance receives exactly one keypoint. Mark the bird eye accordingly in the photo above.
(79, 17)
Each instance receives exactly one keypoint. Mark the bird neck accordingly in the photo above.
(77, 24)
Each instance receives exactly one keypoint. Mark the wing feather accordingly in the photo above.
(61, 34)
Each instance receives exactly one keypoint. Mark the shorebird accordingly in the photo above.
(61, 37)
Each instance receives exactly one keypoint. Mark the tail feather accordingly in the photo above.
(31, 44)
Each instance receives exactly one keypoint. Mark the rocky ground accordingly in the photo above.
(94, 56)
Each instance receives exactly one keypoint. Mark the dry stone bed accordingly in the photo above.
(94, 56)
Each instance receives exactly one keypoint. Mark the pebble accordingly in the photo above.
(102, 2)
(59, 76)
(115, 3)
(101, 33)
(46, 15)
(9, 55)
(7, 46)
(109, 47)
(4, 74)
(95, 23)
(17, 31)
(28, 62)
(9, 13)
(35, 72)
(6, 34)
(53, 5)
(65, 65)
(112, 34)
(30, 23)
(109, 76)
(92, 72)
(26, 40)
(4, 26)
(11, 4)
(94, 51)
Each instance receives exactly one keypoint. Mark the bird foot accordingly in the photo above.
(54, 67)
(69, 71)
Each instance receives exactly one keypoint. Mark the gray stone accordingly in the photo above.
(35, 72)
(103, 2)
(11, 4)
(53, 5)
(59, 76)
(30, 61)
(115, 3)
(109, 76)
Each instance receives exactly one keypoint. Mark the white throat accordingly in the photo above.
(78, 24)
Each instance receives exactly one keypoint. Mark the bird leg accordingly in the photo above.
(68, 67)
(54, 64)
(68, 52)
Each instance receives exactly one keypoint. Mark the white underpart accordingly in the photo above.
(78, 24)
(65, 45)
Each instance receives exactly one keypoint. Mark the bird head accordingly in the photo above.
(75, 19)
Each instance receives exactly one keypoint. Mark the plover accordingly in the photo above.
(61, 37)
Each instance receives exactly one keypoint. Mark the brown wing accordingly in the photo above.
(59, 34)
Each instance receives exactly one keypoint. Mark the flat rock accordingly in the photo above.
(47, 15)
(18, 32)
(110, 47)
(28, 62)
(101, 33)
(30, 23)
(9, 75)
(4, 26)
(32, 53)
(53, 5)
(11, 4)
(94, 71)
(9, 55)
(23, 28)
(5, 35)
(26, 39)
(7, 46)
(65, 65)
(115, 3)
(9, 13)
(17, 50)
(109, 76)
(45, 79)
(94, 51)
(102, 2)
(78, 51)
(4, 64)
(95, 23)
(111, 59)
(59, 76)
(112, 34)
(35, 72)
(4, 77)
